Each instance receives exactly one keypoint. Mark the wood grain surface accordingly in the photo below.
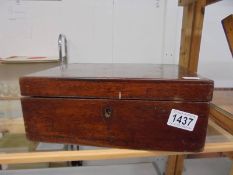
(115, 105)
(132, 124)
(118, 81)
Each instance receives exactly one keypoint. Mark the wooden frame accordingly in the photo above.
(228, 29)
(192, 24)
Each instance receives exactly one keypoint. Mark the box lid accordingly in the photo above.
(119, 81)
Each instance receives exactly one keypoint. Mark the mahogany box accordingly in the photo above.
(136, 106)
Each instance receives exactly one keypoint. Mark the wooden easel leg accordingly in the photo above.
(193, 16)
(175, 165)
(171, 165)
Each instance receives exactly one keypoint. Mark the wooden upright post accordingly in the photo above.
(175, 165)
(193, 17)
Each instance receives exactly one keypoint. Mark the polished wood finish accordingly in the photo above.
(115, 105)
(118, 81)
(228, 29)
(133, 124)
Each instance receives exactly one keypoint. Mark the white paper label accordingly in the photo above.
(182, 120)
(191, 78)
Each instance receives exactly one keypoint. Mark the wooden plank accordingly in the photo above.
(228, 29)
(198, 19)
(180, 164)
(102, 154)
(76, 155)
(186, 33)
(185, 2)
(222, 118)
(193, 16)
(171, 165)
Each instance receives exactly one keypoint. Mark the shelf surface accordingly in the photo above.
(16, 148)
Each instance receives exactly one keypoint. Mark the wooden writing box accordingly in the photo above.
(116, 105)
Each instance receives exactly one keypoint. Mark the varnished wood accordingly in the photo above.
(133, 124)
(191, 35)
(68, 106)
(199, 11)
(228, 29)
(118, 81)
(186, 35)
(100, 154)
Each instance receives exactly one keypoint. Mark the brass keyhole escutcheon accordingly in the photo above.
(107, 112)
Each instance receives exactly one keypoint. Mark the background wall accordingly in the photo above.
(97, 30)
(125, 31)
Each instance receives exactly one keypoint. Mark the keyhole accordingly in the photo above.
(107, 112)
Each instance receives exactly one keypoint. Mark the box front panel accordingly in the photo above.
(134, 124)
